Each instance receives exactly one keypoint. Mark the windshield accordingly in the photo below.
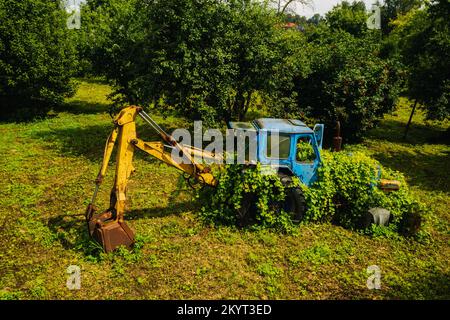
(284, 146)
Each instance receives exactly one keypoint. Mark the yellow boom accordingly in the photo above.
(109, 227)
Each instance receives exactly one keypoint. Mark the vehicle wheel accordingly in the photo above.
(295, 204)
(410, 224)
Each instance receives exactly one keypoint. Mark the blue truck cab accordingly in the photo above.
(297, 152)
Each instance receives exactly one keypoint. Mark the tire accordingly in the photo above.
(410, 224)
(295, 204)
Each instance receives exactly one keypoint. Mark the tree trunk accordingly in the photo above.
(285, 6)
(246, 105)
(410, 119)
(238, 105)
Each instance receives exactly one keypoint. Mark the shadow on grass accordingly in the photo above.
(174, 209)
(435, 285)
(89, 141)
(76, 226)
(22, 110)
(428, 171)
(83, 107)
(425, 170)
(393, 131)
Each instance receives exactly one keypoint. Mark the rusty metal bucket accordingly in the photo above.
(108, 230)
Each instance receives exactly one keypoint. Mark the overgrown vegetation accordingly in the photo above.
(348, 185)
(245, 196)
(43, 229)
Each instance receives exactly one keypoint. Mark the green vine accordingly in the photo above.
(305, 152)
(346, 188)
(243, 188)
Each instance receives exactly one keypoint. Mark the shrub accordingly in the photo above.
(37, 56)
(349, 82)
(241, 189)
(347, 187)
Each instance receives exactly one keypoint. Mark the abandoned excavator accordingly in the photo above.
(290, 160)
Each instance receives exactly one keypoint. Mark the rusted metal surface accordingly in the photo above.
(337, 139)
(110, 232)
(389, 185)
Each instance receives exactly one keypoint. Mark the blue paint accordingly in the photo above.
(294, 130)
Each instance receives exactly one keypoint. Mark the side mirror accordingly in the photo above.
(318, 132)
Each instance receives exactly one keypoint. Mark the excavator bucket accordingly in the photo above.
(107, 230)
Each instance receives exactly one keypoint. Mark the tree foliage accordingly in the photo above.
(346, 188)
(348, 82)
(350, 17)
(204, 58)
(37, 56)
(424, 40)
(393, 9)
(100, 20)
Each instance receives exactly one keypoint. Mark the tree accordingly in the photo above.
(204, 58)
(315, 19)
(349, 82)
(37, 56)
(283, 6)
(350, 17)
(392, 9)
(98, 20)
(424, 41)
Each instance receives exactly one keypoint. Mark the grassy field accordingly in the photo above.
(48, 167)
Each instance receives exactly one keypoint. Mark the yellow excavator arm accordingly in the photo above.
(109, 227)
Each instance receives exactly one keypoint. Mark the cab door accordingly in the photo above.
(305, 157)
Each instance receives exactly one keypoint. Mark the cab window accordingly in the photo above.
(305, 150)
(284, 146)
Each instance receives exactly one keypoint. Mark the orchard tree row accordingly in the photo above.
(214, 60)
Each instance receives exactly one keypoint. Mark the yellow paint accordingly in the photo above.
(124, 134)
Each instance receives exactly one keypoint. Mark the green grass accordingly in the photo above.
(48, 167)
